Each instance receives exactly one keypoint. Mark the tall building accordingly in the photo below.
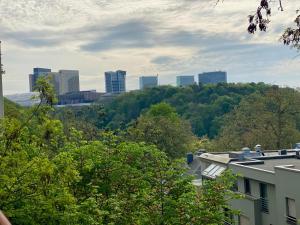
(68, 81)
(183, 81)
(63, 81)
(148, 81)
(115, 82)
(213, 77)
(37, 73)
(1, 87)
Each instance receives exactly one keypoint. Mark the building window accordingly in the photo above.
(291, 211)
(264, 197)
(243, 220)
(247, 186)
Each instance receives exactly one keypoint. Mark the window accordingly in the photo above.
(247, 186)
(264, 197)
(243, 220)
(291, 211)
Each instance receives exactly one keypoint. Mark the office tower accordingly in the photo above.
(37, 73)
(68, 81)
(148, 81)
(1, 87)
(183, 81)
(213, 77)
(115, 82)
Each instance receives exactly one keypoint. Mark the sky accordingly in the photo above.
(143, 37)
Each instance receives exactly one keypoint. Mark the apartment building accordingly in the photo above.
(270, 182)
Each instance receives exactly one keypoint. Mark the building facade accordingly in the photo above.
(68, 81)
(270, 183)
(148, 81)
(37, 73)
(183, 81)
(79, 97)
(115, 82)
(63, 81)
(212, 77)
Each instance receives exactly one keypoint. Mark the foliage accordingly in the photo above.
(270, 119)
(203, 106)
(47, 177)
(162, 126)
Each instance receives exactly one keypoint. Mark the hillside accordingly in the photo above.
(203, 106)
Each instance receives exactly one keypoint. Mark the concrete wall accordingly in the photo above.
(287, 186)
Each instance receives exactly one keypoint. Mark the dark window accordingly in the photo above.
(264, 197)
(247, 186)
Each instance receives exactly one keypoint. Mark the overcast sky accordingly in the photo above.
(143, 37)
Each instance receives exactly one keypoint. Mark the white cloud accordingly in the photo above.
(168, 37)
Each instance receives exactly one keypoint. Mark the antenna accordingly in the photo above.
(1, 87)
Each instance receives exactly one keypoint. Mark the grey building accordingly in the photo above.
(79, 97)
(183, 81)
(68, 81)
(63, 81)
(115, 82)
(148, 81)
(37, 73)
(270, 183)
(212, 77)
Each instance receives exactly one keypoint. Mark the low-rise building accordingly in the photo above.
(270, 182)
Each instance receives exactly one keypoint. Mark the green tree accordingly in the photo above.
(270, 119)
(163, 127)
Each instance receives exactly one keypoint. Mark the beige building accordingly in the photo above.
(68, 81)
(269, 181)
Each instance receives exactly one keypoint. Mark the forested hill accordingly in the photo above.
(204, 106)
(11, 109)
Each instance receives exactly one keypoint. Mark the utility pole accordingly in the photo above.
(1, 87)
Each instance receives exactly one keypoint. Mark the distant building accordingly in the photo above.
(148, 82)
(63, 81)
(212, 77)
(183, 81)
(79, 97)
(68, 81)
(37, 73)
(115, 82)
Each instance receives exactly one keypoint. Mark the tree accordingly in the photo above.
(270, 120)
(162, 127)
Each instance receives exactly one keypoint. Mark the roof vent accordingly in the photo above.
(246, 150)
(282, 152)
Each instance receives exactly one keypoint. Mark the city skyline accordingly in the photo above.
(158, 37)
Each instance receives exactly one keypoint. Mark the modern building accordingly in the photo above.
(183, 81)
(148, 82)
(212, 77)
(37, 73)
(270, 182)
(68, 81)
(79, 97)
(115, 82)
(63, 81)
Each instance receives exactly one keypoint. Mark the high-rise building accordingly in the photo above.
(115, 82)
(68, 81)
(183, 81)
(37, 73)
(63, 81)
(213, 77)
(148, 81)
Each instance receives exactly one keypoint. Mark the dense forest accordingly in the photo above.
(221, 117)
(51, 174)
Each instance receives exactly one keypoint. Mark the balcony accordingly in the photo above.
(264, 205)
(291, 220)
